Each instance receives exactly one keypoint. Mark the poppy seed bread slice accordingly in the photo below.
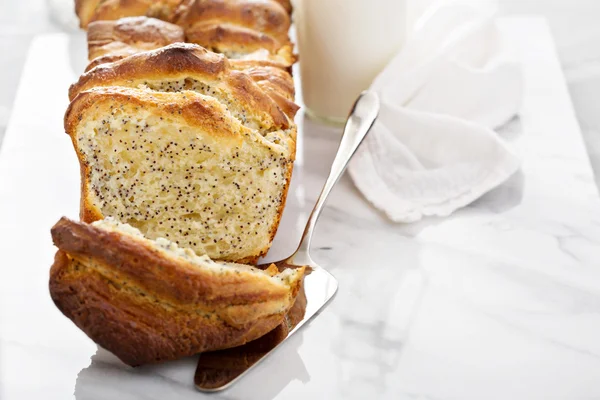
(151, 301)
(207, 167)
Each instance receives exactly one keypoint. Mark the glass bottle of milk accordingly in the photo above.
(343, 45)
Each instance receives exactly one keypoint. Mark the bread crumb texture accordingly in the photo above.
(216, 187)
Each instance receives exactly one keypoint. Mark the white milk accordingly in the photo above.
(343, 45)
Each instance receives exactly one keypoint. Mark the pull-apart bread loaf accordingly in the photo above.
(179, 145)
(150, 301)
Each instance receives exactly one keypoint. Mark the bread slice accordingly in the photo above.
(109, 41)
(89, 11)
(179, 145)
(240, 29)
(151, 301)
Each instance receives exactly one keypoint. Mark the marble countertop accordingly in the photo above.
(499, 301)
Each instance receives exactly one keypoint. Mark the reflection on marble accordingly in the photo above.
(499, 301)
(108, 378)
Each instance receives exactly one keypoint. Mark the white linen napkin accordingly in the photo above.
(433, 149)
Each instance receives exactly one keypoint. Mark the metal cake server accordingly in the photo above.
(220, 369)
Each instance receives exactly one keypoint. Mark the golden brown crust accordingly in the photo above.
(180, 61)
(98, 10)
(111, 41)
(109, 10)
(230, 39)
(276, 78)
(247, 63)
(192, 108)
(277, 83)
(95, 10)
(110, 58)
(267, 17)
(146, 306)
(139, 333)
(286, 4)
(131, 35)
(238, 28)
